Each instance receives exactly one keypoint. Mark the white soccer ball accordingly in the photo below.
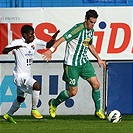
(114, 116)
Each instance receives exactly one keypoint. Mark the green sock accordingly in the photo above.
(97, 99)
(63, 96)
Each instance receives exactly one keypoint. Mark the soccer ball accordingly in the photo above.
(114, 116)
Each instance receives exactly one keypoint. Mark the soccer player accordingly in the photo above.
(76, 62)
(24, 50)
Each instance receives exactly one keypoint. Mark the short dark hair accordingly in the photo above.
(91, 13)
(26, 29)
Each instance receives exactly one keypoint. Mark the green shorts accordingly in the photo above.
(71, 73)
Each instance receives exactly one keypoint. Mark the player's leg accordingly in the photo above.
(95, 91)
(71, 79)
(35, 88)
(35, 95)
(15, 106)
(88, 73)
(96, 96)
(53, 103)
(63, 96)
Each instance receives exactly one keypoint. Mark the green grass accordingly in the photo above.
(66, 124)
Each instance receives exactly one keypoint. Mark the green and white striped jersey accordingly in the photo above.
(78, 39)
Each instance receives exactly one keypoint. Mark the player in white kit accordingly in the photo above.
(24, 50)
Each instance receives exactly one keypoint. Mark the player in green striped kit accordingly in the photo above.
(76, 62)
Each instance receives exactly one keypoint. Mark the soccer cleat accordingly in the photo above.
(52, 109)
(9, 118)
(36, 114)
(100, 115)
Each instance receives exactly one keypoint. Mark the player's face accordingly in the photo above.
(90, 23)
(29, 37)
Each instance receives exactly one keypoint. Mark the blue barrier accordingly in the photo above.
(120, 87)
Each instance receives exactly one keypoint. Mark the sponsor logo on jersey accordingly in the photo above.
(32, 46)
(86, 42)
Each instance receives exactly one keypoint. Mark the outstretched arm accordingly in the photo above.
(48, 54)
(7, 50)
(95, 54)
(52, 41)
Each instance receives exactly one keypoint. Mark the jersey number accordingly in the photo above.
(72, 81)
(29, 61)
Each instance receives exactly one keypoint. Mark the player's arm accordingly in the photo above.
(52, 41)
(95, 54)
(48, 54)
(58, 42)
(7, 50)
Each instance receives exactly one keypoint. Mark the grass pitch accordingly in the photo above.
(66, 124)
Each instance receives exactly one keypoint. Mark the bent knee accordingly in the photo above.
(36, 86)
(73, 91)
(73, 94)
(20, 99)
(96, 85)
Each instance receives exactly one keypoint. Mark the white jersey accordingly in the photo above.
(24, 55)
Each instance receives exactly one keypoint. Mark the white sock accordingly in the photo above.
(15, 106)
(35, 98)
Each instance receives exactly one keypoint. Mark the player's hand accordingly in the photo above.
(101, 62)
(47, 55)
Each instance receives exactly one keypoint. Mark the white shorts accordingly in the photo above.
(24, 85)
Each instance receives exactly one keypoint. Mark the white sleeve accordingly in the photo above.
(40, 44)
(12, 44)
